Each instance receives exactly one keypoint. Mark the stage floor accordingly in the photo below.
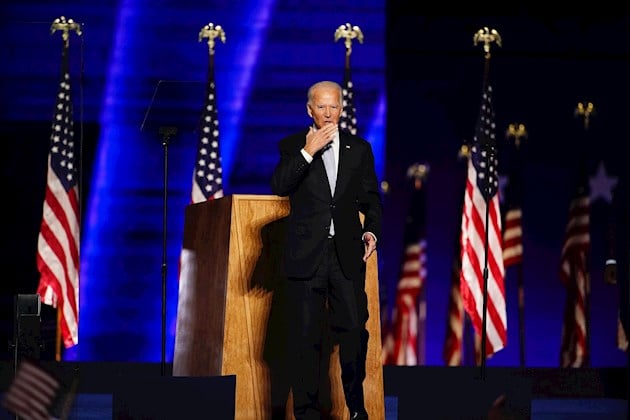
(140, 390)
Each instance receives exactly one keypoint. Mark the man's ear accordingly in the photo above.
(308, 111)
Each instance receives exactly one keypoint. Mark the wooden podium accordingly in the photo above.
(229, 314)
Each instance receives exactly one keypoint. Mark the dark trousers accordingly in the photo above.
(324, 310)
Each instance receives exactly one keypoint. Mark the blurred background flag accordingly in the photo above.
(513, 229)
(575, 276)
(409, 315)
(454, 339)
(58, 243)
(513, 226)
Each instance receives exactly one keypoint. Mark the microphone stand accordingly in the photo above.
(161, 118)
(166, 133)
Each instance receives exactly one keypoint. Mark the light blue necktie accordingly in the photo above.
(331, 170)
(331, 167)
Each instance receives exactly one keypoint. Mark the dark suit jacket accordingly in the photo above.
(312, 205)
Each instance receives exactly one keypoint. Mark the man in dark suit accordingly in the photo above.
(329, 177)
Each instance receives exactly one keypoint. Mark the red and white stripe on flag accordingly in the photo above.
(574, 275)
(473, 234)
(405, 351)
(31, 394)
(454, 342)
(513, 238)
(387, 350)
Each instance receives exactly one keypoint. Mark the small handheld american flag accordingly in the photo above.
(32, 392)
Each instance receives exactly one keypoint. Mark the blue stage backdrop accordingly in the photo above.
(273, 51)
(417, 83)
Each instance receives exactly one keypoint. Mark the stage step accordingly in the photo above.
(579, 409)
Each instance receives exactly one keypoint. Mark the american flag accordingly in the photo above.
(453, 351)
(513, 238)
(409, 312)
(481, 199)
(32, 393)
(458, 324)
(208, 172)
(59, 236)
(513, 230)
(575, 277)
(348, 120)
(387, 334)
(454, 341)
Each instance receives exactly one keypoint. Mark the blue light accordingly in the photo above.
(122, 244)
(376, 134)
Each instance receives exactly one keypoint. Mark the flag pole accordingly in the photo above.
(348, 120)
(58, 337)
(486, 36)
(209, 32)
(586, 110)
(65, 26)
(518, 132)
(419, 173)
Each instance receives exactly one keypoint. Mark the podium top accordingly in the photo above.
(242, 197)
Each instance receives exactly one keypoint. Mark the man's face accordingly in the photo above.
(325, 107)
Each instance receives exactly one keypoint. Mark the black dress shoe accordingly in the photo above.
(359, 415)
